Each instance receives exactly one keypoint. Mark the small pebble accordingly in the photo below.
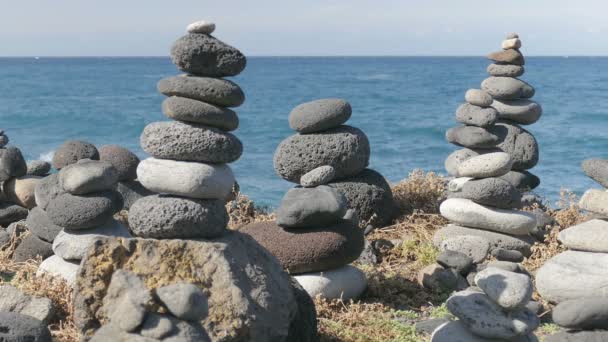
(204, 27)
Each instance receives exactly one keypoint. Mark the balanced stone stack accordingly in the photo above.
(315, 235)
(75, 208)
(13, 170)
(493, 116)
(577, 279)
(495, 310)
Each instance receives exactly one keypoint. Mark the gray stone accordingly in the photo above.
(83, 211)
(190, 142)
(13, 300)
(435, 277)
(303, 327)
(494, 192)
(38, 168)
(454, 160)
(595, 201)
(507, 88)
(472, 137)
(493, 164)
(510, 56)
(597, 169)
(12, 163)
(510, 290)
(21, 190)
(72, 151)
(189, 110)
(124, 161)
(508, 266)
(39, 224)
(201, 26)
(131, 191)
(505, 70)
(511, 35)
(47, 190)
(158, 326)
(582, 313)
(111, 332)
(507, 255)
(455, 331)
(319, 115)
(88, 176)
(535, 307)
(32, 247)
(204, 55)
(478, 97)
(455, 260)
(184, 301)
(579, 336)
(368, 256)
(3, 139)
(573, 275)
(370, 195)
(484, 318)
(57, 267)
(73, 244)
(469, 114)
(589, 236)
(427, 327)
(215, 91)
(475, 247)
(523, 112)
(10, 213)
(518, 143)
(344, 148)
(497, 240)
(15, 327)
(311, 207)
(319, 176)
(171, 217)
(125, 300)
(522, 180)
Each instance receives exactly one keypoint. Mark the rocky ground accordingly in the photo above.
(394, 308)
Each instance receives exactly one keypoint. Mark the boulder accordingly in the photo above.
(590, 236)
(88, 176)
(124, 161)
(345, 283)
(72, 151)
(189, 110)
(319, 115)
(215, 91)
(204, 55)
(311, 207)
(582, 313)
(17, 327)
(13, 300)
(507, 88)
(12, 163)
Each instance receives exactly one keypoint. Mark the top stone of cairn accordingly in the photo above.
(201, 26)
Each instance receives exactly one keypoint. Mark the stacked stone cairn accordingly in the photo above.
(577, 279)
(316, 235)
(186, 277)
(13, 170)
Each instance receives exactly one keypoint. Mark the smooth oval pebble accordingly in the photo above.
(311, 207)
(512, 43)
(470, 214)
(12, 163)
(522, 243)
(184, 109)
(518, 143)
(469, 114)
(476, 247)
(494, 192)
(589, 236)
(319, 176)
(524, 112)
(510, 56)
(88, 176)
(583, 313)
(201, 26)
(595, 201)
(506, 70)
(507, 88)
(345, 283)
(487, 165)
(319, 115)
(215, 91)
(510, 290)
(478, 97)
(472, 137)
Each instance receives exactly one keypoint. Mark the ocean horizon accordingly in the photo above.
(403, 103)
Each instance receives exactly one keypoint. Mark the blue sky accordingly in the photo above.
(312, 27)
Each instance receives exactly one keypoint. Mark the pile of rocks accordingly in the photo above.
(125, 162)
(576, 279)
(493, 116)
(16, 195)
(315, 235)
(186, 277)
(495, 310)
(325, 151)
(75, 208)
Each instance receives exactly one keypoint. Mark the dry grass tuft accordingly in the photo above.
(242, 210)
(419, 191)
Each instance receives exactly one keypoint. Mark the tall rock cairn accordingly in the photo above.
(315, 235)
(12, 168)
(576, 279)
(492, 118)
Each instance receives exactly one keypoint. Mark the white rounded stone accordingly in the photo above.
(513, 43)
(596, 201)
(73, 244)
(487, 165)
(188, 179)
(508, 289)
(470, 214)
(57, 267)
(456, 184)
(347, 282)
(590, 236)
(202, 26)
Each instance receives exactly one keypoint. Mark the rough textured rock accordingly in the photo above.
(38, 168)
(204, 55)
(47, 190)
(472, 137)
(131, 191)
(215, 91)
(595, 201)
(486, 319)
(597, 169)
(524, 112)
(469, 114)
(310, 250)
(13, 300)
(12, 163)
(171, 217)
(72, 151)
(30, 248)
(185, 301)
(88, 176)
(590, 236)
(522, 180)
(344, 148)
(494, 164)
(239, 277)
(73, 244)
(39, 224)
(518, 143)
(370, 195)
(478, 97)
(190, 142)
(57, 267)
(494, 192)
(507, 255)
(507, 88)
(475, 247)
(125, 300)
(311, 207)
(83, 211)
(319, 115)
(303, 327)
(579, 336)
(506, 70)
(427, 327)
(184, 109)
(437, 278)
(510, 56)
(519, 243)
(15, 327)
(510, 290)
(319, 176)
(124, 161)
(573, 275)
(10, 213)
(470, 214)
(344, 283)
(458, 261)
(582, 313)
(21, 190)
